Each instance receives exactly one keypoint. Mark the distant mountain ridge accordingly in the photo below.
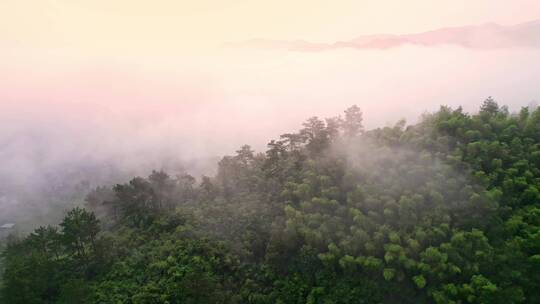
(485, 36)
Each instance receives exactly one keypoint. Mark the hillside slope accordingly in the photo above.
(444, 211)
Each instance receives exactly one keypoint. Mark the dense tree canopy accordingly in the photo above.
(443, 211)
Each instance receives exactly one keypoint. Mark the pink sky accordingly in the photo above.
(135, 77)
(131, 85)
(164, 26)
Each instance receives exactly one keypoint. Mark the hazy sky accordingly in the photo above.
(125, 27)
(135, 77)
(132, 84)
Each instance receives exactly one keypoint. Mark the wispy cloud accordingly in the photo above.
(485, 36)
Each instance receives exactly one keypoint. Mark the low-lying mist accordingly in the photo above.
(70, 122)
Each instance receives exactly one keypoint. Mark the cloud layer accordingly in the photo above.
(486, 36)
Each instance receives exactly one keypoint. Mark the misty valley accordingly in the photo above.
(444, 210)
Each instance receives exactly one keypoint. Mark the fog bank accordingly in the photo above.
(66, 117)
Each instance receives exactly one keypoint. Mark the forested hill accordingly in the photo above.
(444, 211)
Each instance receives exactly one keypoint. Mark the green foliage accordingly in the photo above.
(444, 211)
(420, 281)
(43, 267)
